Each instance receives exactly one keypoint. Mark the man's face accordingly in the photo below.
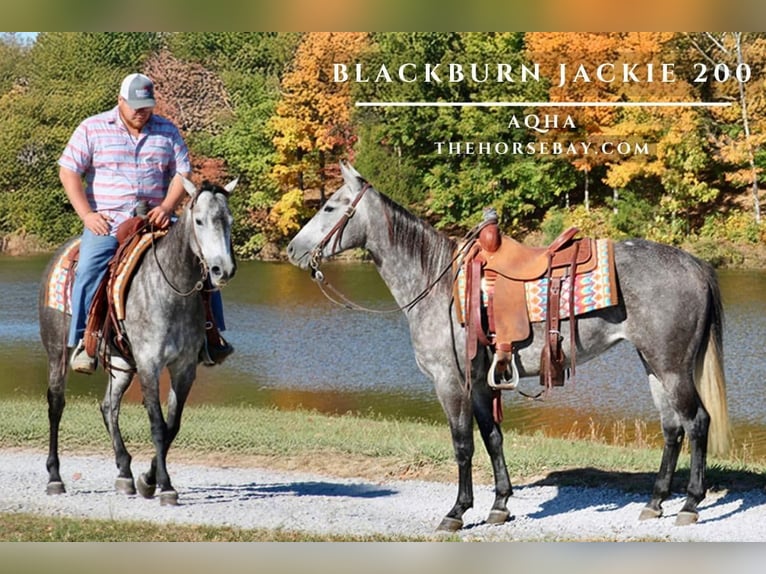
(135, 119)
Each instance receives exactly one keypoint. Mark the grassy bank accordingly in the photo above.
(343, 446)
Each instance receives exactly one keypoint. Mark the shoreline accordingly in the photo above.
(720, 254)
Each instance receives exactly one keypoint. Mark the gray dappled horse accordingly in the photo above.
(670, 309)
(165, 326)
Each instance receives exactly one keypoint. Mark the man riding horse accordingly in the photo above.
(130, 160)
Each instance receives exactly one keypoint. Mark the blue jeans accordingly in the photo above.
(95, 253)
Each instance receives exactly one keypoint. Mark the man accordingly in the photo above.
(116, 163)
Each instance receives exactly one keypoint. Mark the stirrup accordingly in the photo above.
(505, 383)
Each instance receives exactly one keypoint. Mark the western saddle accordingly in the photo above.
(504, 321)
(106, 313)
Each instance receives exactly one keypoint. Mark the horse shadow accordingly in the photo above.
(741, 489)
(220, 493)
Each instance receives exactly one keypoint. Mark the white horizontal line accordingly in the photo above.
(541, 104)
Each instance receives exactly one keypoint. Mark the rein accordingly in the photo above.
(199, 285)
(338, 298)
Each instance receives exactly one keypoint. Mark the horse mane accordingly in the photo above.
(214, 188)
(418, 238)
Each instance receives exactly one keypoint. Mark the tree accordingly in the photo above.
(740, 57)
(313, 121)
(583, 53)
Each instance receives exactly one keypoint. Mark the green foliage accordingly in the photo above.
(696, 157)
(736, 227)
(717, 253)
(43, 213)
(633, 216)
(395, 175)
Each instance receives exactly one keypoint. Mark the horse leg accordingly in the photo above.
(56, 403)
(697, 431)
(179, 391)
(673, 434)
(157, 475)
(492, 436)
(110, 410)
(457, 406)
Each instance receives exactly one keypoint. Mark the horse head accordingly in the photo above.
(209, 220)
(336, 227)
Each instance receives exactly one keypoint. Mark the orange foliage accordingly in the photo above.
(314, 116)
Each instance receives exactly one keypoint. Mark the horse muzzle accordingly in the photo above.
(221, 274)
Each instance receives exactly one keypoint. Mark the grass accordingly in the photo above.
(350, 445)
(33, 528)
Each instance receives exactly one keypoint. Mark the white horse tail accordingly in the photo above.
(709, 376)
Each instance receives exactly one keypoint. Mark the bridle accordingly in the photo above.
(315, 257)
(204, 270)
(335, 296)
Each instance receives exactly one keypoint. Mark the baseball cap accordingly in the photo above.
(138, 91)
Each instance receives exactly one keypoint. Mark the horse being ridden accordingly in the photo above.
(670, 309)
(165, 327)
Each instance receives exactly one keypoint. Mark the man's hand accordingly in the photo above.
(159, 216)
(97, 223)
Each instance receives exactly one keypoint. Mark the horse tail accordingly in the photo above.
(709, 376)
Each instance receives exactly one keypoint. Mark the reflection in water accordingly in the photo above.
(295, 349)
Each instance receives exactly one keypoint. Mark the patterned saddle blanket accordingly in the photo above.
(503, 287)
(108, 305)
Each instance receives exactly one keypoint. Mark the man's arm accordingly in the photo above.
(160, 215)
(94, 221)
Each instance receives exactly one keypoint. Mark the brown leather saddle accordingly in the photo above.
(504, 321)
(103, 321)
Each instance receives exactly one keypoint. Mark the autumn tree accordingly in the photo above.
(250, 65)
(583, 53)
(313, 120)
(733, 62)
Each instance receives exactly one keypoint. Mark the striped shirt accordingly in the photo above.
(121, 170)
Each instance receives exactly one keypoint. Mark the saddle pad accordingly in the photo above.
(128, 265)
(594, 290)
(58, 296)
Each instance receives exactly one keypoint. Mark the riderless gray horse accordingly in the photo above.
(165, 327)
(669, 308)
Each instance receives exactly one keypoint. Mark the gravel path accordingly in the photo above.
(260, 498)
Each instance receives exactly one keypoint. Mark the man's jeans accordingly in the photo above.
(95, 253)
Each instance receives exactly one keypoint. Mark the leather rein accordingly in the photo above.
(334, 295)
(199, 285)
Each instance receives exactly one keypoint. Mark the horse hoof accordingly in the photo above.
(125, 486)
(144, 488)
(685, 518)
(56, 487)
(168, 498)
(449, 524)
(498, 517)
(650, 513)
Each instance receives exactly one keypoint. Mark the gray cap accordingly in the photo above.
(138, 91)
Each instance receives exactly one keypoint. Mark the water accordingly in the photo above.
(295, 349)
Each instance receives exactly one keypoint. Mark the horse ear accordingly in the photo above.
(345, 172)
(355, 173)
(229, 187)
(350, 175)
(190, 188)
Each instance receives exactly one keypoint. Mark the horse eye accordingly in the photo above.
(329, 208)
(198, 221)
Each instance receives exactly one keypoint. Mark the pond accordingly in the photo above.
(295, 349)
